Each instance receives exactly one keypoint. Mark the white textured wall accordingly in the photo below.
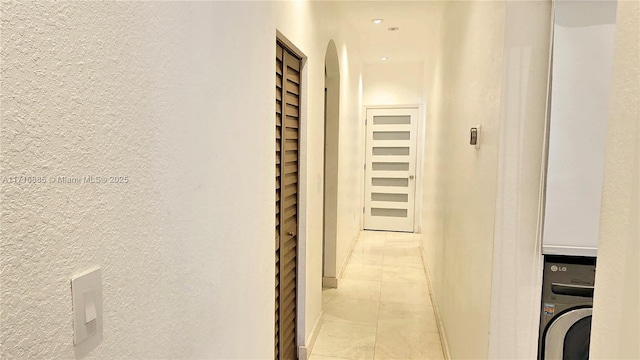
(460, 181)
(179, 98)
(616, 304)
(351, 145)
(393, 84)
(102, 89)
(517, 261)
(452, 229)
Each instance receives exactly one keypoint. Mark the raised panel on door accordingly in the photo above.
(287, 167)
(390, 169)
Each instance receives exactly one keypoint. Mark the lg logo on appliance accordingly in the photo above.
(555, 268)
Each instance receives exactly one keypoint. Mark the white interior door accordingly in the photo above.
(390, 169)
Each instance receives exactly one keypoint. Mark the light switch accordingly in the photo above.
(89, 305)
(474, 138)
(86, 293)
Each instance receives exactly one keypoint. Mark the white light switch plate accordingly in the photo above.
(86, 291)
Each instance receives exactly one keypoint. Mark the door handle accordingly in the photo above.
(572, 289)
(290, 233)
(411, 177)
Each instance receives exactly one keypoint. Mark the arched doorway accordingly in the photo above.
(331, 131)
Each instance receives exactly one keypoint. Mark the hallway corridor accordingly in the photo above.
(382, 308)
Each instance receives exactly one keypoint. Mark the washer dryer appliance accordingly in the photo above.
(567, 301)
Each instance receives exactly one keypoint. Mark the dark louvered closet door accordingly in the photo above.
(287, 135)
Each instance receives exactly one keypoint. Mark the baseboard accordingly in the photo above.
(349, 252)
(330, 282)
(436, 309)
(304, 351)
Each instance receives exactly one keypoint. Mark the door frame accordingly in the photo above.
(331, 142)
(420, 148)
(301, 286)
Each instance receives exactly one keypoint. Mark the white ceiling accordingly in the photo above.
(417, 20)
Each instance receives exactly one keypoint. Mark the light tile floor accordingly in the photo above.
(382, 308)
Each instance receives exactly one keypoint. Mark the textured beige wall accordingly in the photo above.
(393, 84)
(517, 260)
(351, 148)
(129, 89)
(178, 97)
(454, 228)
(460, 190)
(616, 304)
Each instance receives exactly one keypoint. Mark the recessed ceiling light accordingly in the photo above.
(393, 28)
(377, 21)
(384, 58)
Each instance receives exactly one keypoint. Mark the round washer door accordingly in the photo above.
(568, 336)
